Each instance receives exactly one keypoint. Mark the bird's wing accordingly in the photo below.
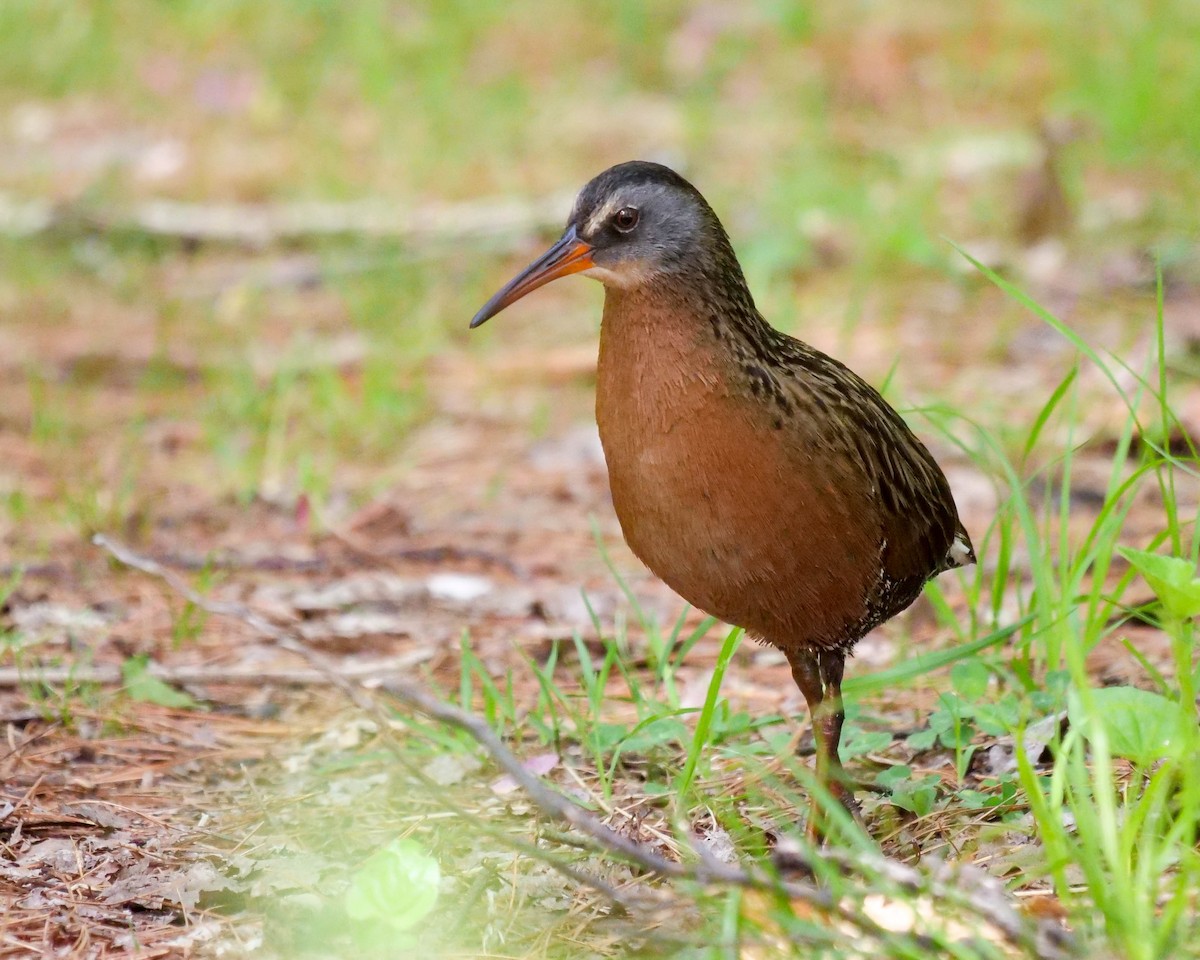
(920, 527)
(920, 520)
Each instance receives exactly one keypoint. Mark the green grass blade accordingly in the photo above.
(704, 721)
(925, 663)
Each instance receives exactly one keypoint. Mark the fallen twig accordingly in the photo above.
(425, 555)
(295, 677)
(355, 692)
(550, 802)
(261, 224)
(991, 909)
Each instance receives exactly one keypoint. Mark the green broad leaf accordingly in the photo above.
(141, 685)
(922, 739)
(778, 741)
(396, 886)
(891, 777)
(733, 724)
(604, 737)
(958, 737)
(1140, 726)
(977, 799)
(860, 742)
(994, 719)
(656, 733)
(948, 713)
(970, 680)
(1172, 579)
(918, 797)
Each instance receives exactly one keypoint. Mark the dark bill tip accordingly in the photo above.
(568, 255)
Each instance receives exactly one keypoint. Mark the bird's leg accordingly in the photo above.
(818, 674)
(832, 717)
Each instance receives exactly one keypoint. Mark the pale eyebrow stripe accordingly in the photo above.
(599, 217)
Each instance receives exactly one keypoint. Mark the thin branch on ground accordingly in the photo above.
(395, 559)
(550, 802)
(258, 225)
(356, 693)
(196, 562)
(992, 909)
(108, 676)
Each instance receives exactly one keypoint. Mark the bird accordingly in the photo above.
(762, 480)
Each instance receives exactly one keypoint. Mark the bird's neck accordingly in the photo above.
(666, 348)
(711, 308)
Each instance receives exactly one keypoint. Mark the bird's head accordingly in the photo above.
(630, 226)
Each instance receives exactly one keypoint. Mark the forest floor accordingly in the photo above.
(298, 425)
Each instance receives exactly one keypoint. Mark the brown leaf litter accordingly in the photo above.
(98, 855)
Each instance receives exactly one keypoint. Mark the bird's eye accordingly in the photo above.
(626, 219)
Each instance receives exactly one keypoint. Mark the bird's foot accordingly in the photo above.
(819, 816)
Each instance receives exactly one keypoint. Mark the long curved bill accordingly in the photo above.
(568, 255)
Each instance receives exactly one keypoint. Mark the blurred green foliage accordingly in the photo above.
(829, 136)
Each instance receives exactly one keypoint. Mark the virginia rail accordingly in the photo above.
(763, 481)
